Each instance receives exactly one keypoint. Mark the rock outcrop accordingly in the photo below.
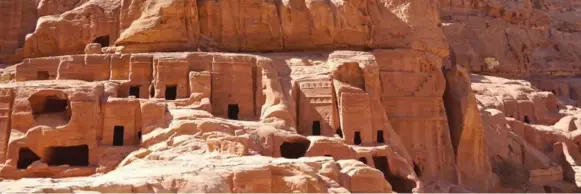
(467, 133)
(185, 25)
(518, 39)
(289, 96)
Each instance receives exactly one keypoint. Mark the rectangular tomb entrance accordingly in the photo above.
(316, 127)
(69, 155)
(134, 91)
(399, 184)
(118, 133)
(233, 111)
(171, 92)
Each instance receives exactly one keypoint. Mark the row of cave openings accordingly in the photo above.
(526, 118)
(67, 155)
(316, 130)
(77, 156)
(171, 94)
(298, 149)
(57, 107)
(52, 108)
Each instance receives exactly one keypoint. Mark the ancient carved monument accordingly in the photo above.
(275, 96)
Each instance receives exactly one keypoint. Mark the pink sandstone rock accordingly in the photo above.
(329, 96)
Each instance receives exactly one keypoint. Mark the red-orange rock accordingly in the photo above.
(329, 96)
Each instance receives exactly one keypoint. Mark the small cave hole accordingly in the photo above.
(103, 40)
(293, 149)
(233, 111)
(171, 92)
(339, 132)
(316, 128)
(50, 109)
(69, 155)
(351, 74)
(363, 159)
(357, 138)
(417, 170)
(42, 75)
(399, 184)
(152, 91)
(380, 136)
(139, 136)
(526, 120)
(134, 91)
(547, 189)
(554, 92)
(25, 158)
(118, 133)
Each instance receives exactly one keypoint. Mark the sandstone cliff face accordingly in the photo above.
(528, 135)
(136, 92)
(514, 38)
(19, 19)
(467, 132)
(70, 31)
(181, 25)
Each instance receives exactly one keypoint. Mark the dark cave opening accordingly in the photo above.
(316, 128)
(339, 132)
(134, 91)
(398, 184)
(118, 134)
(526, 120)
(103, 40)
(380, 136)
(69, 155)
(171, 92)
(357, 138)
(25, 158)
(233, 111)
(293, 149)
(363, 159)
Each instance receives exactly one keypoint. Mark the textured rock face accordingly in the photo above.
(182, 25)
(412, 95)
(161, 101)
(133, 96)
(466, 130)
(527, 153)
(19, 19)
(69, 32)
(514, 38)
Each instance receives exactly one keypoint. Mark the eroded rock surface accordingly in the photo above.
(519, 39)
(328, 96)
